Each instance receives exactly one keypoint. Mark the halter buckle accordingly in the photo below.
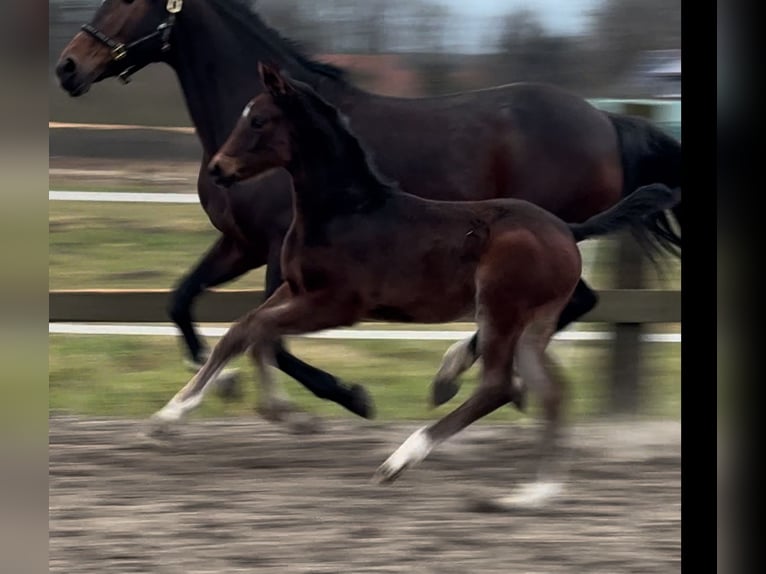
(174, 6)
(119, 52)
(124, 76)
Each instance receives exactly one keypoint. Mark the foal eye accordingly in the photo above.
(257, 122)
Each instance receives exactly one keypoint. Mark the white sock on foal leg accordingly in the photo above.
(184, 401)
(411, 452)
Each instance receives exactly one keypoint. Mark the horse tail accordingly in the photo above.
(643, 204)
(649, 155)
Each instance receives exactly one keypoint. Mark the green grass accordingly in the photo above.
(134, 376)
(127, 246)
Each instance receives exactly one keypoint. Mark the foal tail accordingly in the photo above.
(649, 155)
(640, 206)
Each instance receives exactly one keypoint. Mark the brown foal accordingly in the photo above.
(360, 248)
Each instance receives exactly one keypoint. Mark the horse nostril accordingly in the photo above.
(215, 170)
(67, 67)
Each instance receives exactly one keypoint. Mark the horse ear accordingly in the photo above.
(273, 80)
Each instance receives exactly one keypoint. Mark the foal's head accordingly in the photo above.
(290, 125)
(261, 138)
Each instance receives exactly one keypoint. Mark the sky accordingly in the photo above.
(558, 16)
(563, 16)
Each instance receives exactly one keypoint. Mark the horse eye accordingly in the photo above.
(257, 122)
(128, 1)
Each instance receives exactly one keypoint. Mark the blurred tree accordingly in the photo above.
(622, 29)
(429, 25)
(353, 26)
(295, 19)
(531, 54)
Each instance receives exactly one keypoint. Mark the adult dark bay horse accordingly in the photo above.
(360, 248)
(525, 141)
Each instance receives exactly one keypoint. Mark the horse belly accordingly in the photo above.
(416, 302)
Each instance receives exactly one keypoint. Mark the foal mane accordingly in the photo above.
(242, 13)
(327, 119)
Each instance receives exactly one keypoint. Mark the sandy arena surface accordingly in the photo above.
(246, 496)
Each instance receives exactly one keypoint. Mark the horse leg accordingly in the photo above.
(322, 384)
(536, 369)
(224, 262)
(494, 390)
(235, 342)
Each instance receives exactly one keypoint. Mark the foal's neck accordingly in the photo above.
(215, 59)
(332, 180)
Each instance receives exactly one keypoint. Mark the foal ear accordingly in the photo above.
(273, 80)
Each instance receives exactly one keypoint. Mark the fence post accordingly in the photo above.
(626, 365)
(625, 396)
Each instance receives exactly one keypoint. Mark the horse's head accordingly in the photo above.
(122, 37)
(260, 139)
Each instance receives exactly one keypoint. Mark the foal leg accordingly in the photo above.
(224, 262)
(322, 384)
(460, 357)
(301, 314)
(535, 368)
(457, 360)
(235, 342)
(494, 390)
(273, 404)
(463, 354)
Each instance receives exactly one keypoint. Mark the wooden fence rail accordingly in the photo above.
(620, 306)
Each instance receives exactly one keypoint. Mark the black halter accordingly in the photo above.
(120, 51)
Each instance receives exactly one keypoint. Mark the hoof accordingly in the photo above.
(486, 506)
(227, 385)
(388, 473)
(303, 423)
(443, 391)
(519, 400)
(361, 404)
(530, 500)
(535, 495)
(160, 428)
(411, 452)
(519, 394)
(287, 415)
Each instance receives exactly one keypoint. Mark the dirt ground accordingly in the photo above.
(246, 496)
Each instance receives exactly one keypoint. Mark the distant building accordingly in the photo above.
(657, 74)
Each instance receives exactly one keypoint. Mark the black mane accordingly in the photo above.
(318, 109)
(243, 14)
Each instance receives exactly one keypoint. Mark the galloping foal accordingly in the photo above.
(360, 248)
